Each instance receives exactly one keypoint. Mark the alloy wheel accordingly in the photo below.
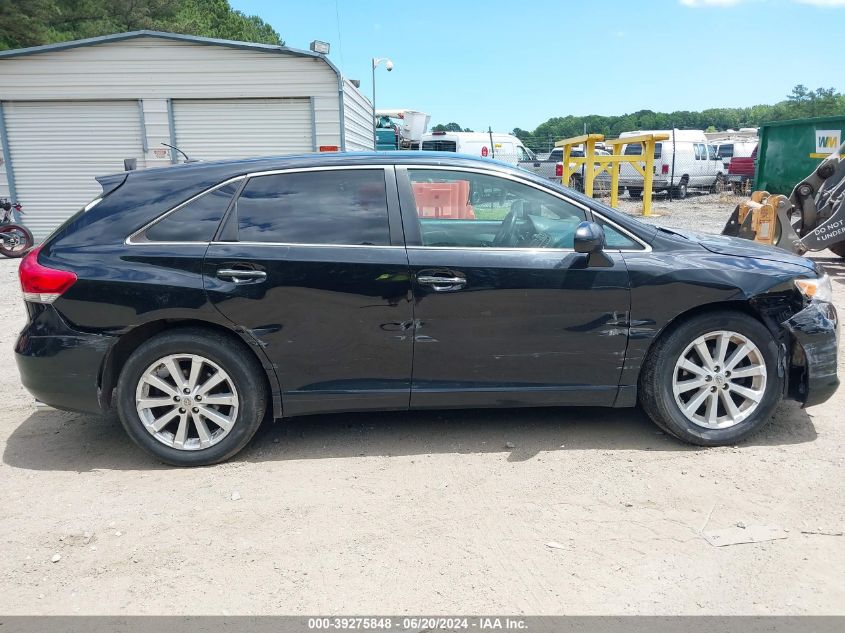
(719, 379)
(186, 401)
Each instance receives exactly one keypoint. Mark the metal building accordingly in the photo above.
(75, 110)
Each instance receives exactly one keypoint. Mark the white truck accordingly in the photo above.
(552, 168)
(495, 146)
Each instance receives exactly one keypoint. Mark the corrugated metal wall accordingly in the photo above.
(151, 74)
(210, 129)
(358, 118)
(56, 149)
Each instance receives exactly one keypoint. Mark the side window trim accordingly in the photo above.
(227, 231)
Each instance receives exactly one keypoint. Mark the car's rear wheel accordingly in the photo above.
(191, 397)
(635, 193)
(713, 379)
(681, 191)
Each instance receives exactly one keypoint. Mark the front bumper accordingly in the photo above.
(58, 365)
(815, 338)
(637, 183)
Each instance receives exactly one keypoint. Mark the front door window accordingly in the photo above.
(469, 210)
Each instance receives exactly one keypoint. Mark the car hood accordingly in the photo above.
(738, 247)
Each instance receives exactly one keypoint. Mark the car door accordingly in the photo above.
(505, 312)
(312, 264)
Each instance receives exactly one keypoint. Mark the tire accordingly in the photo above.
(635, 193)
(218, 356)
(660, 374)
(838, 249)
(680, 192)
(22, 237)
(575, 183)
(719, 184)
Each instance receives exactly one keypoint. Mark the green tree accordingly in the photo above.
(450, 127)
(800, 103)
(33, 22)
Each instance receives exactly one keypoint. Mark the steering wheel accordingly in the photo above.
(506, 234)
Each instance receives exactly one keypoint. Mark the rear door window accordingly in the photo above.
(336, 206)
(195, 221)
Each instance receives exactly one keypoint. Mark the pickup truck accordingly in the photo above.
(741, 172)
(552, 168)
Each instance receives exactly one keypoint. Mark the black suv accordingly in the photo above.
(196, 299)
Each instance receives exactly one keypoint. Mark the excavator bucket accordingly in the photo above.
(811, 219)
(762, 219)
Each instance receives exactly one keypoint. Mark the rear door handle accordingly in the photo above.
(442, 284)
(241, 275)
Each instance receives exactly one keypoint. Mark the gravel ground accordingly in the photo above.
(707, 212)
(561, 511)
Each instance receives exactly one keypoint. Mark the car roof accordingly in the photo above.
(236, 167)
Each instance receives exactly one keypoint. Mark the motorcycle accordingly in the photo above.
(15, 239)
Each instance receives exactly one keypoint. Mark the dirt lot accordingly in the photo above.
(590, 511)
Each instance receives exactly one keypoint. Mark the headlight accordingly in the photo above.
(818, 289)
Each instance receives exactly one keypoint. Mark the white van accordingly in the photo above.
(502, 147)
(686, 161)
(728, 148)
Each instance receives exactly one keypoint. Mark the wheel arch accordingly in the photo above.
(132, 339)
(737, 305)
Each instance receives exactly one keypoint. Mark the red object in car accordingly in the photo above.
(664, 169)
(41, 284)
(484, 151)
(559, 170)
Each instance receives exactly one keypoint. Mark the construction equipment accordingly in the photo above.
(812, 218)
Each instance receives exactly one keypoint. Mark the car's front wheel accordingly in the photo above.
(713, 379)
(191, 397)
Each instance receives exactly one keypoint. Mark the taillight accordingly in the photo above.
(41, 284)
(559, 170)
(665, 169)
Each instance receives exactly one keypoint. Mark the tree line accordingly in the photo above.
(34, 22)
(800, 103)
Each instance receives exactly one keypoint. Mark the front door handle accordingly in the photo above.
(442, 284)
(241, 275)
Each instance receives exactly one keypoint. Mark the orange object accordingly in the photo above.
(443, 200)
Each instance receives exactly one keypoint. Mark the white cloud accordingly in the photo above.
(823, 3)
(710, 3)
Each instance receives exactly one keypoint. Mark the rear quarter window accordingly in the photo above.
(195, 221)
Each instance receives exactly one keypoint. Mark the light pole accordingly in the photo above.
(388, 64)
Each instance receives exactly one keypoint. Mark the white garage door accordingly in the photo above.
(211, 129)
(57, 148)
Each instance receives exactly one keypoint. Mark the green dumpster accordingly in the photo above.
(789, 151)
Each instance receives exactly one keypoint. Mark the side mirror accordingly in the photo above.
(589, 239)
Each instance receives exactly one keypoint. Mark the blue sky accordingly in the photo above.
(507, 64)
